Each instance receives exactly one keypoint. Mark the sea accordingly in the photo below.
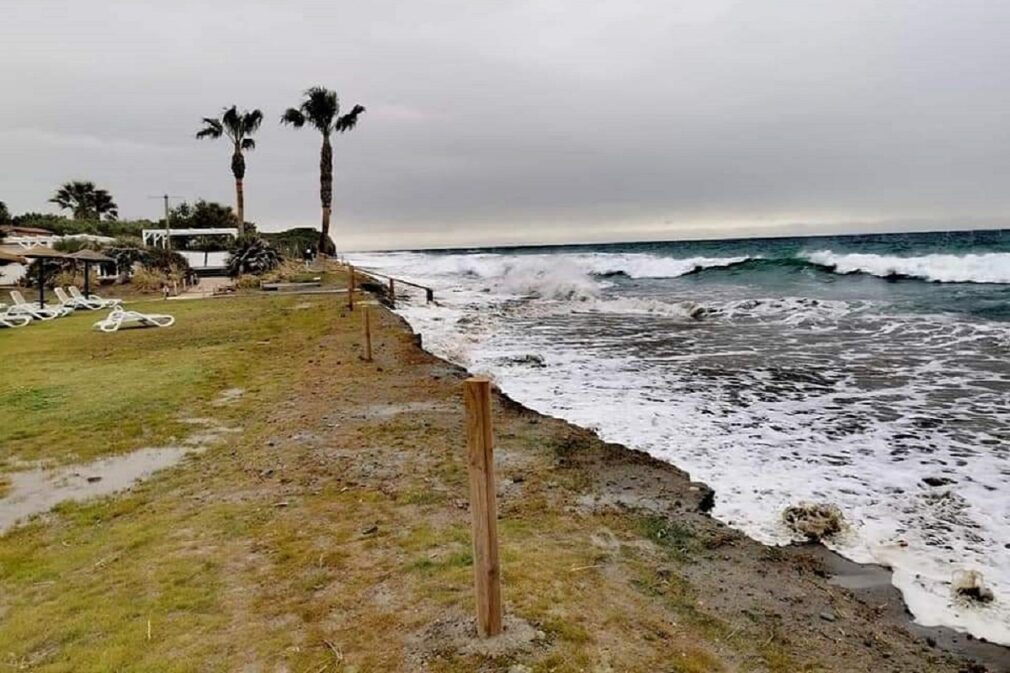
(871, 372)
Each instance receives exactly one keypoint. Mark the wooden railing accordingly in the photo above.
(429, 293)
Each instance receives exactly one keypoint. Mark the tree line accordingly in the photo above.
(319, 109)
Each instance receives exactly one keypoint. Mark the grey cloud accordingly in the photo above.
(526, 121)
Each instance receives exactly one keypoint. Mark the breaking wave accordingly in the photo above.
(579, 275)
(992, 267)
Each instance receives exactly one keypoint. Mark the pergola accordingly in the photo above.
(89, 257)
(162, 237)
(42, 254)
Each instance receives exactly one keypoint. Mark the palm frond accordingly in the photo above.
(320, 107)
(232, 121)
(248, 144)
(212, 129)
(350, 120)
(293, 117)
(251, 121)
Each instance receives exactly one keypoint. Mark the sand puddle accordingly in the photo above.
(38, 490)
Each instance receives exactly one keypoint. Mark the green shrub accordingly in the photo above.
(287, 271)
(68, 277)
(63, 226)
(149, 280)
(248, 282)
(52, 269)
(294, 242)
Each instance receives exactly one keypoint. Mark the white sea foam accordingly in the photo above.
(771, 400)
(686, 310)
(533, 278)
(651, 266)
(499, 267)
(993, 267)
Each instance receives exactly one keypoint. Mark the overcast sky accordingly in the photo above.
(519, 122)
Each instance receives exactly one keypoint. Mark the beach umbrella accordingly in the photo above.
(42, 254)
(11, 257)
(89, 257)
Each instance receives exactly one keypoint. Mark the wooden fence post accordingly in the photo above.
(366, 318)
(483, 505)
(350, 287)
(392, 293)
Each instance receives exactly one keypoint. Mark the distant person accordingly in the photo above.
(308, 256)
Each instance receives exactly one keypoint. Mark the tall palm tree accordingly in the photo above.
(237, 127)
(321, 109)
(86, 201)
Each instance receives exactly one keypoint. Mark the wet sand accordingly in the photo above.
(872, 585)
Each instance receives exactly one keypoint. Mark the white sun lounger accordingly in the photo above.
(33, 309)
(70, 302)
(94, 301)
(120, 316)
(14, 319)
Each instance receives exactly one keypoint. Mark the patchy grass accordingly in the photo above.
(680, 540)
(78, 394)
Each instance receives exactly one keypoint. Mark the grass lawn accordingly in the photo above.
(69, 393)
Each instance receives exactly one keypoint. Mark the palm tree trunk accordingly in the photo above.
(240, 205)
(238, 170)
(326, 246)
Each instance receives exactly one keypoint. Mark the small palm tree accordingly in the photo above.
(251, 254)
(86, 201)
(238, 127)
(321, 109)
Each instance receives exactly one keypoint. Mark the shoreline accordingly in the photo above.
(870, 584)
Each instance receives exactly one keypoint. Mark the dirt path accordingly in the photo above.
(206, 288)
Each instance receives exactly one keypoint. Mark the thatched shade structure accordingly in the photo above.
(42, 254)
(89, 257)
(11, 257)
